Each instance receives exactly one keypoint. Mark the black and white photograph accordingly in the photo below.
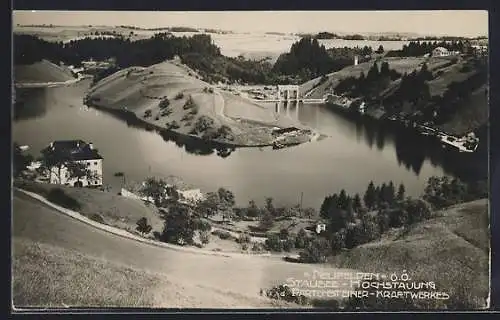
(284, 160)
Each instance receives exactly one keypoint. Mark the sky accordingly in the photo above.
(438, 22)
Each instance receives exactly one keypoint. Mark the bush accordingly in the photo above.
(189, 104)
(202, 225)
(283, 292)
(289, 244)
(205, 237)
(187, 117)
(165, 112)
(143, 226)
(244, 238)
(316, 251)
(222, 234)
(301, 240)
(202, 124)
(284, 234)
(244, 246)
(257, 247)
(164, 104)
(58, 196)
(266, 221)
(179, 226)
(273, 243)
(147, 113)
(172, 125)
(179, 96)
(97, 218)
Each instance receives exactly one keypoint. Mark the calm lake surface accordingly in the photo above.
(355, 152)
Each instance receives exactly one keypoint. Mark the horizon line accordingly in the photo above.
(340, 33)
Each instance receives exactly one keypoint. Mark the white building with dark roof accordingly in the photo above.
(76, 151)
(443, 52)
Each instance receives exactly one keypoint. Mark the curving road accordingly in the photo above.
(236, 276)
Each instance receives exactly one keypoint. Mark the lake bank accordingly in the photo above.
(168, 98)
(354, 153)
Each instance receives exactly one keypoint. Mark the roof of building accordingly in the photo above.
(288, 86)
(76, 149)
(441, 49)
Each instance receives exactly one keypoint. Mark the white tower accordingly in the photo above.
(355, 60)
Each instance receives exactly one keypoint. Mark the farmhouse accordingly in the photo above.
(71, 152)
(442, 52)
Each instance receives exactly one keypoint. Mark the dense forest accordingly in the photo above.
(309, 59)
(30, 49)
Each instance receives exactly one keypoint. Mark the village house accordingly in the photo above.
(443, 52)
(186, 196)
(80, 152)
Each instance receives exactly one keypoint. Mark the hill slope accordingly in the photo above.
(452, 250)
(40, 72)
(401, 65)
(194, 107)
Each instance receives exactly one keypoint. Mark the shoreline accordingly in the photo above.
(437, 135)
(130, 116)
(33, 85)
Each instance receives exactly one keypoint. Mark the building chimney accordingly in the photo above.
(91, 146)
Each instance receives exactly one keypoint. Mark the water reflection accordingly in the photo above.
(252, 173)
(29, 104)
(411, 150)
(191, 145)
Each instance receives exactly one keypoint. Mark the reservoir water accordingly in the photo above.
(354, 153)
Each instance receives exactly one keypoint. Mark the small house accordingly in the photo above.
(75, 151)
(440, 52)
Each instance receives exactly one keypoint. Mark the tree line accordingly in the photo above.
(369, 85)
(308, 59)
(305, 60)
(420, 48)
(29, 49)
(352, 220)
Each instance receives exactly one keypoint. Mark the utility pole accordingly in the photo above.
(301, 198)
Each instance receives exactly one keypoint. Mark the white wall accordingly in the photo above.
(95, 165)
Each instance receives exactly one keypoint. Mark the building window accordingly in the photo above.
(88, 164)
(95, 163)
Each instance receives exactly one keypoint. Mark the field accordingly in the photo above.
(115, 210)
(41, 72)
(451, 249)
(48, 276)
(72, 279)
